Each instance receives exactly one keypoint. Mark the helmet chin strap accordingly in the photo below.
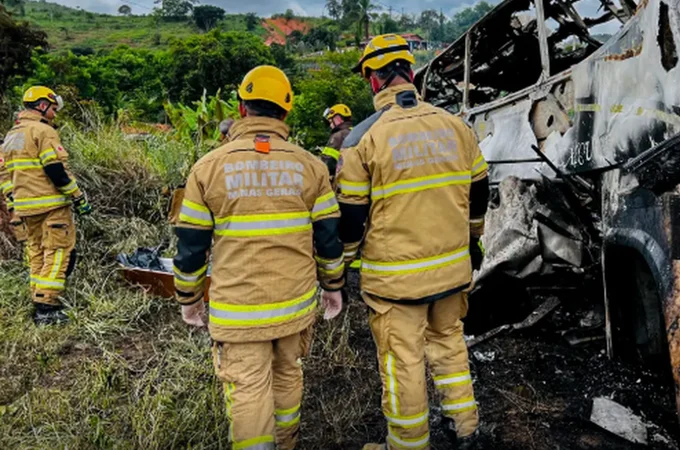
(401, 72)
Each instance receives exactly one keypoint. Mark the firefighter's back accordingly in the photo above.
(420, 160)
(34, 193)
(261, 191)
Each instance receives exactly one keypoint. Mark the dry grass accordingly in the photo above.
(126, 373)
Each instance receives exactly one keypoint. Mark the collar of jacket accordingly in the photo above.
(35, 116)
(342, 126)
(249, 127)
(388, 97)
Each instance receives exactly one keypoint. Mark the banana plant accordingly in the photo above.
(200, 123)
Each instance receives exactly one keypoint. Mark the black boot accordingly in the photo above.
(49, 314)
(460, 443)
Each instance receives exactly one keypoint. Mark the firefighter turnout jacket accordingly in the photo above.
(269, 208)
(34, 176)
(331, 152)
(413, 188)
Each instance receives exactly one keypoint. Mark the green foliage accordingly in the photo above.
(125, 77)
(252, 21)
(330, 81)
(439, 29)
(174, 9)
(99, 31)
(385, 24)
(17, 42)
(207, 16)
(322, 37)
(200, 125)
(212, 61)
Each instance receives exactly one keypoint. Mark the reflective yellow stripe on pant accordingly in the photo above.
(404, 336)
(51, 239)
(263, 390)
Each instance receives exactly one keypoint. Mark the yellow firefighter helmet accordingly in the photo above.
(36, 93)
(383, 50)
(337, 110)
(267, 83)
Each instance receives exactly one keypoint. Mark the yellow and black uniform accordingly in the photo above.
(331, 152)
(36, 181)
(265, 210)
(411, 178)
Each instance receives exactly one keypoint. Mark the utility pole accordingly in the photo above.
(390, 10)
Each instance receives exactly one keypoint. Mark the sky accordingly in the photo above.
(269, 7)
(310, 7)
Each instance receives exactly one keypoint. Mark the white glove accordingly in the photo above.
(332, 303)
(193, 314)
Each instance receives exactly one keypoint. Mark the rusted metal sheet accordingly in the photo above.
(672, 301)
(156, 282)
(672, 316)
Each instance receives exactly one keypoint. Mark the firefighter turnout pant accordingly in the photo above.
(51, 243)
(405, 335)
(263, 390)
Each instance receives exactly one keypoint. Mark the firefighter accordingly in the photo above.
(42, 191)
(265, 210)
(413, 192)
(339, 118)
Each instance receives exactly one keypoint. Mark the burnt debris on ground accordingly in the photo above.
(535, 389)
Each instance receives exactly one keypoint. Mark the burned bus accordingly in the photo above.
(580, 130)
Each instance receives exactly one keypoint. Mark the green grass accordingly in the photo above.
(126, 373)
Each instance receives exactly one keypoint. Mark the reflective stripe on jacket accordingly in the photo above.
(410, 167)
(270, 219)
(30, 146)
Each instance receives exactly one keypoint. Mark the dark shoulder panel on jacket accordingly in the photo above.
(353, 139)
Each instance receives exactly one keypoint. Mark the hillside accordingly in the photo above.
(69, 28)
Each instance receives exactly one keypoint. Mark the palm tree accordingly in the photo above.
(365, 10)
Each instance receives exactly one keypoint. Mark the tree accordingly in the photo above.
(125, 10)
(350, 13)
(465, 18)
(406, 22)
(322, 37)
(334, 8)
(366, 7)
(428, 20)
(252, 21)
(174, 9)
(212, 61)
(17, 43)
(18, 5)
(207, 16)
(386, 24)
(331, 82)
(124, 77)
(289, 14)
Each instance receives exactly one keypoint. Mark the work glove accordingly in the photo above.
(476, 252)
(332, 303)
(82, 206)
(193, 314)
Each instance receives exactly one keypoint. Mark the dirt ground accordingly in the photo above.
(535, 391)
